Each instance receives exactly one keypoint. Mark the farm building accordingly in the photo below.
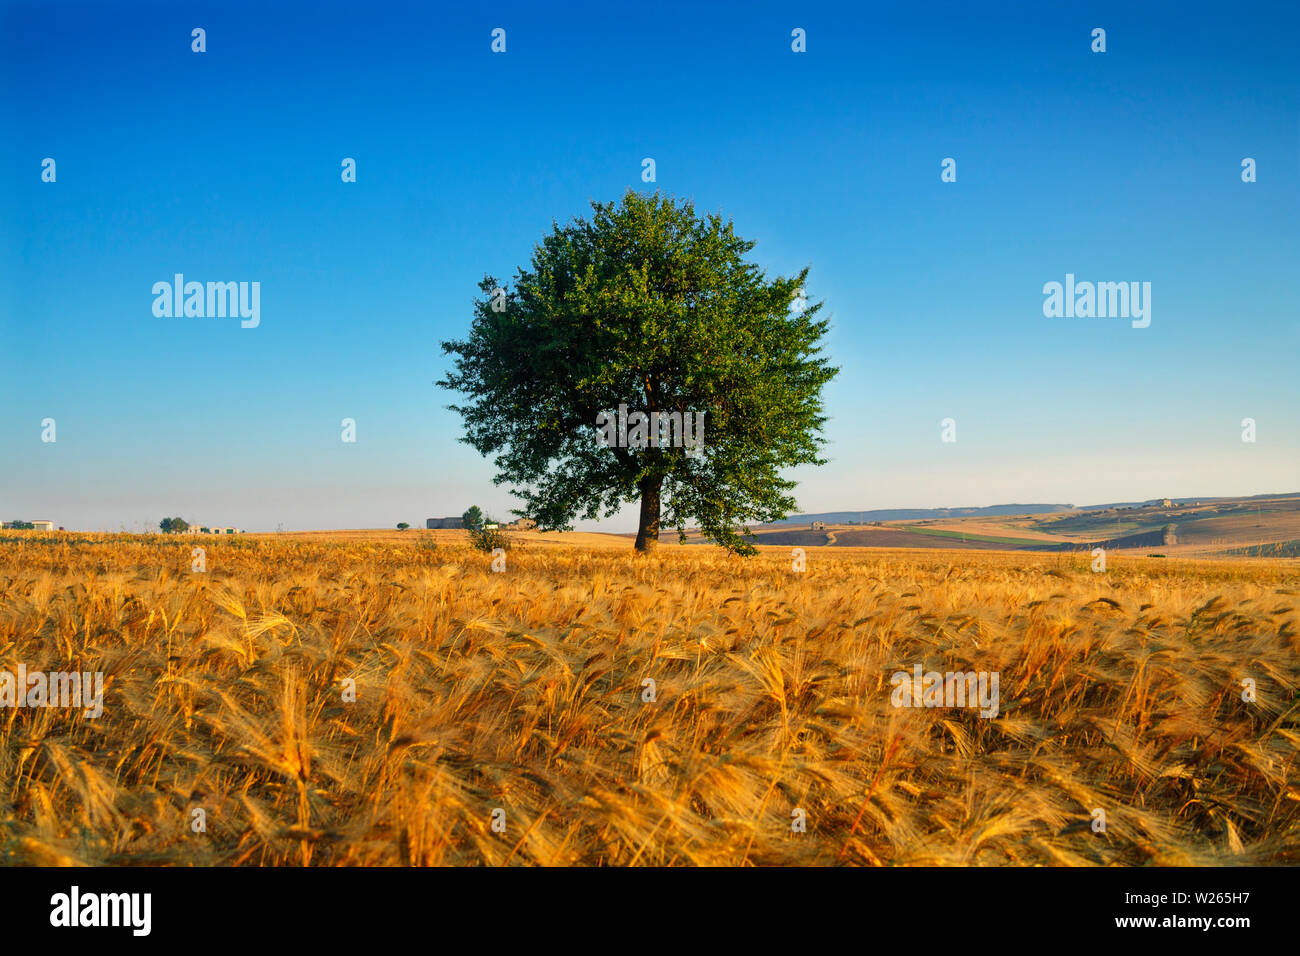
(39, 524)
(819, 525)
(522, 524)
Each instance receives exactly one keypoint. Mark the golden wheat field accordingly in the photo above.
(526, 691)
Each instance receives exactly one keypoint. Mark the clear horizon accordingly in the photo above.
(611, 527)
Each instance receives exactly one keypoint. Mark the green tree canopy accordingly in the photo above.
(472, 518)
(649, 306)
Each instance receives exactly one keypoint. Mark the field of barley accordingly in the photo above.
(351, 702)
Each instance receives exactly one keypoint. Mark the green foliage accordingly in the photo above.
(650, 306)
(472, 518)
(402, 526)
(19, 525)
(489, 539)
(174, 525)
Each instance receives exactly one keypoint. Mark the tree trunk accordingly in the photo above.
(647, 534)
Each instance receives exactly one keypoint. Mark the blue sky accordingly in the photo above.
(225, 165)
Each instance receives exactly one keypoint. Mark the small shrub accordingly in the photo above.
(489, 539)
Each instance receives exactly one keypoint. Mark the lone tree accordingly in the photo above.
(472, 518)
(648, 306)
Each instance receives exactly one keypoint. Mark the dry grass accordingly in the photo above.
(523, 691)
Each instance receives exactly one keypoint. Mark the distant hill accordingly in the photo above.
(1258, 526)
(993, 511)
(1185, 501)
(916, 514)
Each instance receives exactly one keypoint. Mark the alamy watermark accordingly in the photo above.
(639, 430)
(952, 689)
(57, 689)
(1102, 300)
(193, 300)
(75, 908)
